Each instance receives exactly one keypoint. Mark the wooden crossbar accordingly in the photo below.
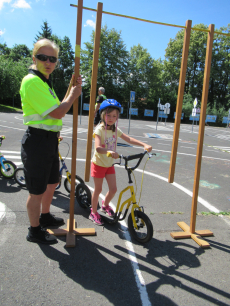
(150, 21)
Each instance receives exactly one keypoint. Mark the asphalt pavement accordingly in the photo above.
(111, 268)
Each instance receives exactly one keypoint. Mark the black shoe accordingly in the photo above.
(50, 220)
(40, 236)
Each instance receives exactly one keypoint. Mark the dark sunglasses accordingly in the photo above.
(44, 58)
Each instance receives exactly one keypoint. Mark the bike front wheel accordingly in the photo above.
(19, 176)
(83, 196)
(144, 232)
(9, 169)
(67, 184)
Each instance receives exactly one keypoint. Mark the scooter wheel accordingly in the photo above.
(144, 232)
(83, 196)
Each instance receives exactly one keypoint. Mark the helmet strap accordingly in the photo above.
(116, 135)
(106, 125)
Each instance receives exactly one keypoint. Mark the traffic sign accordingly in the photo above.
(132, 96)
(167, 105)
(195, 102)
(194, 112)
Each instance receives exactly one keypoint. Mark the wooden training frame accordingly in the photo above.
(71, 229)
(189, 232)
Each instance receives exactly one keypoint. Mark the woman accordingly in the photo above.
(42, 113)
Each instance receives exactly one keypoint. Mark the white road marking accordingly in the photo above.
(9, 215)
(136, 270)
(187, 147)
(14, 128)
(221, 148)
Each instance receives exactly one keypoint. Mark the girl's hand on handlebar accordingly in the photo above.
(112, 154)
(148, 148)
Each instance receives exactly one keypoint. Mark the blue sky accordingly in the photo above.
(20, 20)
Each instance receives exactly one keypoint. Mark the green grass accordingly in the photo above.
(9, 109)
(217, 148)
(172, 212)
(221, 213)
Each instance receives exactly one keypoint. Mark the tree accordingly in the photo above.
(4, 50)
(65, 67)
(112, 66)
(220, 72)
(19, 52)
(45, 33)
(220, 66)
(11, 75)
(144, 77)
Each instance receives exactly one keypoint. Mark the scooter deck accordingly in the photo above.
(104, 216)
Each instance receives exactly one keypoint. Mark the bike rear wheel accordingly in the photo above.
(83, 196)
(67, 184)
(19, 176)
(9, 169)
(144, 232)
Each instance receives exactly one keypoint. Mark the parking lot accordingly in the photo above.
(111, 268)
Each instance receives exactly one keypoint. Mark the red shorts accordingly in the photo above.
(101, 172)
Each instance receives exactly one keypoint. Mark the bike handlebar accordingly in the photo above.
(132, 157)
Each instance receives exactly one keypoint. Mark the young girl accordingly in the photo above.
(102, 166)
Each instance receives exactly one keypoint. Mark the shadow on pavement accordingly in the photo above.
(90, 266)
(8, 185)
(171, 258)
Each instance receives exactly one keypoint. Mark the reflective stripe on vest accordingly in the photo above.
(37, 121)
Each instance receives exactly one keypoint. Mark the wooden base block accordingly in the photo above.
(200, 241)
(85, 231)
(204, 233)
(58, 231)
(70, 240)
(197, 236)
(180, 235)
(70, 236)
(183, 226)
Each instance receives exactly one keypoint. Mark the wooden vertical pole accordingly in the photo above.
(75, 114)
(202, 126)
(180, 96)
(71, 231)
(93, 89)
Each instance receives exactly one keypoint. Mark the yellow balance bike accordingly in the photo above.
(139, 224)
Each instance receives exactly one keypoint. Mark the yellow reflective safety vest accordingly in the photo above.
(38, 100)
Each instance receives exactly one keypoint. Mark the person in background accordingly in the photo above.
(100, 98)
(42, 114)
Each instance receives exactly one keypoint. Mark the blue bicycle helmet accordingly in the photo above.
(110, 103)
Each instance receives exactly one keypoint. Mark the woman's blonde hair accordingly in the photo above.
(107, 111)
(44, 42)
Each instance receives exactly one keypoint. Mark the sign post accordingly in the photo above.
(132, 99)
(81, 106)
(167, 110)
(158, 107)
(194, 111)
(228, 118)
